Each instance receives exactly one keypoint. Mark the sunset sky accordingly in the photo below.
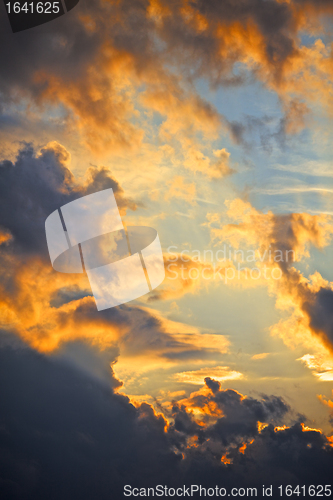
(212, 121)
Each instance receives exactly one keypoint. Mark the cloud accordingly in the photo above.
(282, 241)
(214, 168)
(295, 115)
(318, 307)
(235, 410)
(70, 426)
(312, 167)
(326, 402)
(38, 183)
(220, 373)
(5, 236)
(190, 274)
(100, 65)
(34, 298)
(78, 77)
(262, 355)
(321, 366)
(179, 189)
(282, 189)
(50, 310)
(106, 68)
(207, 31)
(74, 430)
(109, 70)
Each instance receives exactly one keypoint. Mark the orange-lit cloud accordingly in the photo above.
(219, 373)
(325, 401)
(282, 241)
(179, 189)
(110, 90)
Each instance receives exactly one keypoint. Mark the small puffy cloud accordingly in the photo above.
(320, 365)
(214, 168)
(326, 401)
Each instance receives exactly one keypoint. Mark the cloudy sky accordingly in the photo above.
(211, 120)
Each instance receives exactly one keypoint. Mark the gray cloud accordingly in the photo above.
(66, 51)
(240, 415)
(65, 435)
(319, 307)
(273, 19)
(37, 184)
(68, 294)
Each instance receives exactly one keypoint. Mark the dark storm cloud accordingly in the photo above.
(240, 415)
(213, 385)
(319, 308)
(65, 435)
(314, 3)
(35, 185)
(289, 456)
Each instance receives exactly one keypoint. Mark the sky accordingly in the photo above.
(212, 123)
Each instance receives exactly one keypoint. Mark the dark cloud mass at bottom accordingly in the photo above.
(64, 435)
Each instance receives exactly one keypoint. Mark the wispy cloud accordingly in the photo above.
(320, 365)
(306, 167)
(283, 189)
(219, 373)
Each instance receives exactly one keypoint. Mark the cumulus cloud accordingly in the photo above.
(38, 183)
(214, 168)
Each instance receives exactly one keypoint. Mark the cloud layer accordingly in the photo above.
(70, 435)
